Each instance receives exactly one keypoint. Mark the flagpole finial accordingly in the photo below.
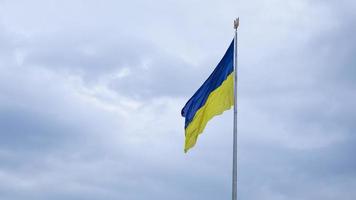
(236, 23)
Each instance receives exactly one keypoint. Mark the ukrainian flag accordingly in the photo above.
(214, 97)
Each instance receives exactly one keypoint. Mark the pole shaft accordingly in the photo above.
(234, 154)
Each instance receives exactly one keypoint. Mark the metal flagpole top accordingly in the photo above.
(236, 23)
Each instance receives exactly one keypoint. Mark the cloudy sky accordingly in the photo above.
(91, 93)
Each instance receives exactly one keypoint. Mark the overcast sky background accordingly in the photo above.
(91, 93)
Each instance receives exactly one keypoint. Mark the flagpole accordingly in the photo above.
(234, 154)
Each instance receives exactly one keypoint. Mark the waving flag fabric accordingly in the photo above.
(215, 96)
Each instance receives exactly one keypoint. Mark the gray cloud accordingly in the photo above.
(90, 96)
